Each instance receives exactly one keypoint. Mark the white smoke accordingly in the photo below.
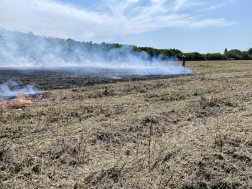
(13, 88)
(29, 50)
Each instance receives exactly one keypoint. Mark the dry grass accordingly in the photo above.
(185, 132)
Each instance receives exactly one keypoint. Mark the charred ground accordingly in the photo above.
(47, 79)
(185, 132)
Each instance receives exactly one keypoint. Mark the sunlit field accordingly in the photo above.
(190, 131)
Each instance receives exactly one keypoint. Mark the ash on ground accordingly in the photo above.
(46, 79)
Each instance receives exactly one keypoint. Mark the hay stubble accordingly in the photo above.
(190, 131)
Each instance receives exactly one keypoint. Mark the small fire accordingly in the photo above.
(21, 100)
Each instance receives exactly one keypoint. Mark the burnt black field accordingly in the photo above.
(71, 77)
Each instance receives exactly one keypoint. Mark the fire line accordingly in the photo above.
(21, 100)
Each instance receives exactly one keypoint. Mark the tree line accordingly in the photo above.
(233, 54)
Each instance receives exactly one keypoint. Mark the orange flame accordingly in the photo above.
(21, 101)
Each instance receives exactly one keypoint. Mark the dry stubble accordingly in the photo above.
(185, 132)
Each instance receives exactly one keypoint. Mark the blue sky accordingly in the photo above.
(189, 25)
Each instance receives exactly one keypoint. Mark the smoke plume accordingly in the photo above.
(29, 50)
(13, 88)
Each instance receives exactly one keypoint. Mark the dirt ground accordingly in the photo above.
(184, 132)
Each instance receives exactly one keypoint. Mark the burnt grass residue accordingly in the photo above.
(46, 79)
(187, 132)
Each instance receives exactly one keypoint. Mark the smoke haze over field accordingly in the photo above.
(13, 88)
(29, 50)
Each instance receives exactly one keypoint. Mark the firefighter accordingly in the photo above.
(183, 60)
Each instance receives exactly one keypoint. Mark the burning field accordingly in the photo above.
(21, 100)
(14, 97)
(88, 131)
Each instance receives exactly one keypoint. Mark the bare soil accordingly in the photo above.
(183, 132)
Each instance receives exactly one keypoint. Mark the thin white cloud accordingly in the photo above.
(217, 6)
(221, 22)
(133, 1)
(222, 4)
(51, 18)
(181, 5)
(158, 1)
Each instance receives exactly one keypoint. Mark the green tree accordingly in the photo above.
(176, 51)
(236, 51)
(198, 56)
(116, 45)
(164, 53)
(225, 50)
(218, 56)
(209, 56)
(245, 55)
(250, 51)
(135, 48)
(189, 56)
(151, 53)
(232, 54)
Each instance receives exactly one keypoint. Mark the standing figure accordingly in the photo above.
(183, 60)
